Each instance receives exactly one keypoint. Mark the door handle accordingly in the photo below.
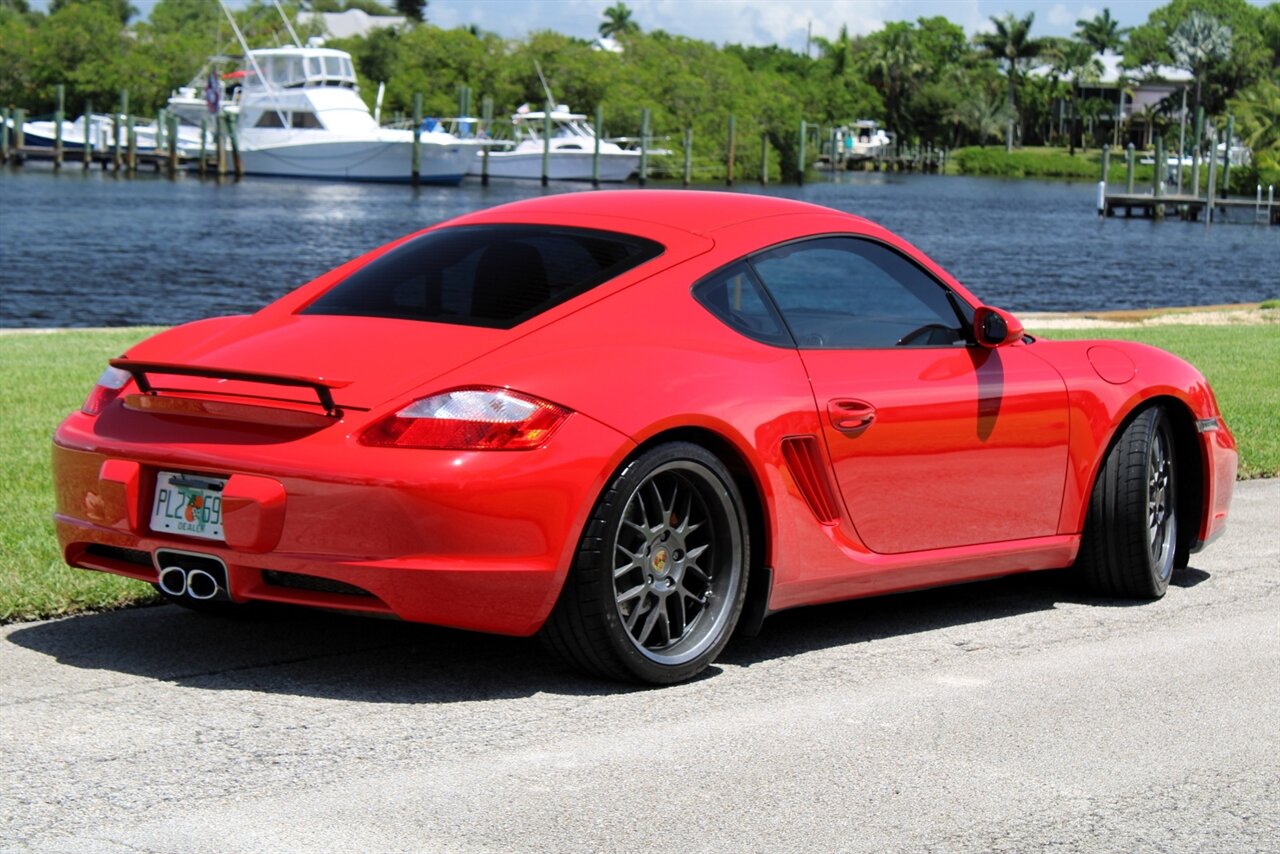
(851, 416)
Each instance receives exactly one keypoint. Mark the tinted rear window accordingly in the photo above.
(484, 275)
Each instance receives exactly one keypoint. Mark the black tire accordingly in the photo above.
(1130, 540)
(660, 574)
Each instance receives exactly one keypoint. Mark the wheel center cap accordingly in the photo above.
(660, 561)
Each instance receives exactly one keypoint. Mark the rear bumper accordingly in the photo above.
(476, 541)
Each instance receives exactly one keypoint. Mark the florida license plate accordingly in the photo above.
(188, 504)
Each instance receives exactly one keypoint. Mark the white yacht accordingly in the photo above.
(300, 115)
(573, 142)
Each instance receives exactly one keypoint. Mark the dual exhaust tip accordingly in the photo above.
(195, 583)
(191, 576)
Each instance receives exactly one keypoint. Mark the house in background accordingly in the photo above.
(1132, 99)
(353, 22)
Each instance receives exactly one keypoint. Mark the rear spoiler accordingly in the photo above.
(321, 386)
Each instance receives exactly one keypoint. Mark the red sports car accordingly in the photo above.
(634, 422)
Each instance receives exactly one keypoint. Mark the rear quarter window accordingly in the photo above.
(488, 275)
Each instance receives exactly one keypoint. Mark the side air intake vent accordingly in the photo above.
(804, 459)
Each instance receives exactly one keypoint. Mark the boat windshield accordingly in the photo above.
(296, 69)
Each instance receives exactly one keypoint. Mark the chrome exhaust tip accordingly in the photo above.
(201, 585)
(173, 580)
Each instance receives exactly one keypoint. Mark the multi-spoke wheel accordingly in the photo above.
(660, 574)
(1131, 533)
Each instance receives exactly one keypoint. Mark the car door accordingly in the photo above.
(935, 441)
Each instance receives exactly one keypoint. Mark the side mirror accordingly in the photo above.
(995, 327)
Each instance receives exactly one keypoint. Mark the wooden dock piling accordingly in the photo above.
(728, 180)
(644, 145)
(546, 143)
(595, 149)
(800, 163)
(233, 138)
(1195, 152)
(1226, 155)
(131, 142)
(202, 167)
(486, 116)
(764, 160)
(415, 168)
(59, 114)
(688, 155)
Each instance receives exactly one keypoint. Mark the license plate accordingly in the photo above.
(188, 504)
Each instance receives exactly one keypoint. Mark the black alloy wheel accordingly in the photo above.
(660, 575)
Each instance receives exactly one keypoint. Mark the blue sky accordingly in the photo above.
(783, 22)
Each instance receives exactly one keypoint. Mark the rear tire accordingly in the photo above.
(660, 575)
(1130, 540)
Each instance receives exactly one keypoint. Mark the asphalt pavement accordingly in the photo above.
(1014, 715)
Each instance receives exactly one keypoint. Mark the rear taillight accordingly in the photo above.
(107, 389)
(470, 419)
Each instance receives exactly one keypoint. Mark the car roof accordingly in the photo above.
(694, 211)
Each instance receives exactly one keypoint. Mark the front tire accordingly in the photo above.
(1130, 538)
(660, 575)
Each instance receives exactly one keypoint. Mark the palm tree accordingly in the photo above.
(1103, 33)
(982, 113)
(1077, 61)
(1012, 45)
(617, 21)
(840, 51)
(894, 66)
(1199, 43)
(1257, 112)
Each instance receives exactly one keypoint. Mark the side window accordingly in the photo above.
(849, 293)
(734, 295)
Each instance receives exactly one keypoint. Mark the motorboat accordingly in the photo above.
(102, 129)
(570, 149)
(855, 143)
(864, 140)
(300, 115)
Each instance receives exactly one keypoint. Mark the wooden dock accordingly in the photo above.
(1187, 207)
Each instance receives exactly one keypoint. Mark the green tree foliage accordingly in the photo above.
(1257, 112)
(1011, 45)
(923, 80)
(1251, 57)
(1198, 44)
(1101, 32)
(617, 22)
(119, 8)
(414, 10)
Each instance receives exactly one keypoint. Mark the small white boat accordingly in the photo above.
(863, 140)
(300, 116)
(571, 153)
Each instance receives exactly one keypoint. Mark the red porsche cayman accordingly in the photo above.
(634, 422)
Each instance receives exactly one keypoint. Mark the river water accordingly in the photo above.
(96, 249)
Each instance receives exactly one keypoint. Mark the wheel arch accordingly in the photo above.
(746, 478)
(1191, 460)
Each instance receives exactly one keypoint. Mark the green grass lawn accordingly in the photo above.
(45, 376)
(42, 378)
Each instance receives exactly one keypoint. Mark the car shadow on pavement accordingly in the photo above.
(864, 620)
(334, 656)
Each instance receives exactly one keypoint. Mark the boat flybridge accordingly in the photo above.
(571, 151)
(300, 115)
